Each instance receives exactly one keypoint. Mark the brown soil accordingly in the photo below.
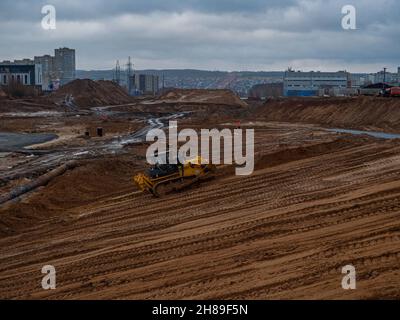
(86, 93)
(315, 203)
(359, 112)
(27, 105)
(203, 96)
(90, 181)
(89, 93)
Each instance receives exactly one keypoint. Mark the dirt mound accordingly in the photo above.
(88, 93)
(203, 96)
(76, 187)
(360, 112)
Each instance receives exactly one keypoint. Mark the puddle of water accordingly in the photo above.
(11, 140)
(32, 114)
(376, 134)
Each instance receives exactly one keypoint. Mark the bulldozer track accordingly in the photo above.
(284, 232)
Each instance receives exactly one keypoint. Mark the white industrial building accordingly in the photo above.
(307, 84)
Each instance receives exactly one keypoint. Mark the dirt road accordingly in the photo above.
(48, 159)
(317, 202)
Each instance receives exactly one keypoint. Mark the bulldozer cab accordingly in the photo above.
(164, 169)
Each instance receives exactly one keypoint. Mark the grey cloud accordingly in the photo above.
(210, 34)
(93, 9)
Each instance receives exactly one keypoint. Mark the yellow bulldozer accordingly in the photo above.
(162, 179)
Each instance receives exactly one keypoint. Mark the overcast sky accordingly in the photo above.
(208, 34)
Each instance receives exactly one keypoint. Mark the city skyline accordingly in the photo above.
(112, 68)
(228, 35)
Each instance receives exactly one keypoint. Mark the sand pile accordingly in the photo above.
(360, 112)
(203, 96)
(75, 187)
(89, 93)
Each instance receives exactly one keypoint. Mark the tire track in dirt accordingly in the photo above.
(285, 231)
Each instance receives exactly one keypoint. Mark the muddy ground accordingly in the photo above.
(317, 201)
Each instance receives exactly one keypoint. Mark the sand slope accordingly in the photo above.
(203, 96)
(284, 232)
(362, 112)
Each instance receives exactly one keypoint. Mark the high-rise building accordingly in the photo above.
(58, 69)
(147, 84)
(64, 63)
(48, 73)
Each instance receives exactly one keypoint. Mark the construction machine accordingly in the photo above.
(162, 179)
(392, 92)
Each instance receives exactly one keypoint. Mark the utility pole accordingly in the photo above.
(117, 73)
(384, 79)
(129, 74)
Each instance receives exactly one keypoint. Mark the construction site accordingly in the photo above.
(325, 193)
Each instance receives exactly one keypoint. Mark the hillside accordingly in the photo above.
(202, 96)
(360, 112)
(89, 93)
